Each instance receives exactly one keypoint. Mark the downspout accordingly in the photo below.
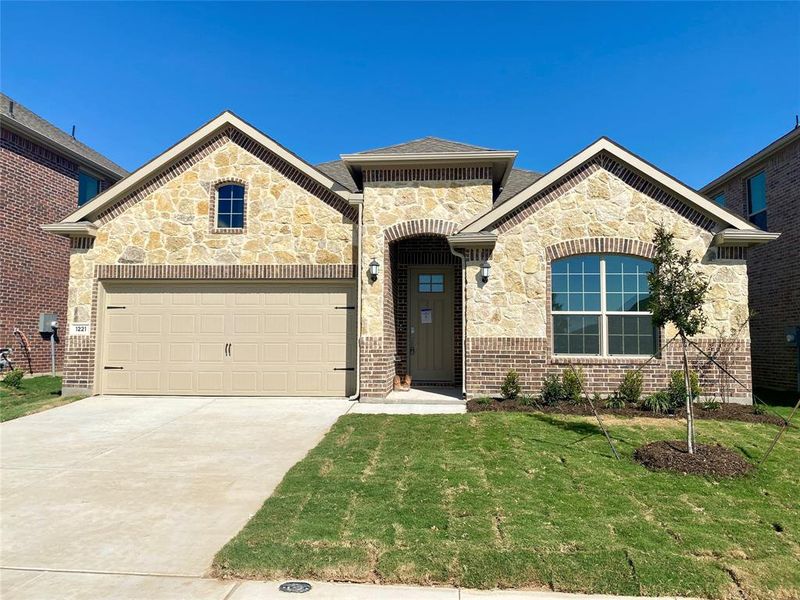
(357, 393)
(463, 258)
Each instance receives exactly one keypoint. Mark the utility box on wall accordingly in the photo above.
(46, 321)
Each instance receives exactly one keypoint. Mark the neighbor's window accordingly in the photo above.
(757, 200)
(230, 207)
(720, 198)
(600, 306)
(88, 187)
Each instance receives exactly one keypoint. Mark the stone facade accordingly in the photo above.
(509, 316)
(396, 210)
(170, 226)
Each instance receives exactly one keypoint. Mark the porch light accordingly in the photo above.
(485, 271)
(373, 269)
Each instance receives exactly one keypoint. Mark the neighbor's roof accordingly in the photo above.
(762, 154)
(15, 116)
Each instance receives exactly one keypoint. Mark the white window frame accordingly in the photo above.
(603, 314)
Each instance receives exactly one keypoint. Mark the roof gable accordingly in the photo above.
(652, 174)
(204, 140)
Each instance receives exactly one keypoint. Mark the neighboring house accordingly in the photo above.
(228, 265)
(45, 174)
(765, 189)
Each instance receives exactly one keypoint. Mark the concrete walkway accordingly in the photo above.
(30, 585)
(146, 485)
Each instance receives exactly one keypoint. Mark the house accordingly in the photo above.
(45, 174)
(765, 189)
(230, 266)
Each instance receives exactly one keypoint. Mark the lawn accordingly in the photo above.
(35, 394)
(490, 500)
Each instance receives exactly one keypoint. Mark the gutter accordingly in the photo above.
(82, 228)
(743, 237)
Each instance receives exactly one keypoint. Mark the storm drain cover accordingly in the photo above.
(295, 587)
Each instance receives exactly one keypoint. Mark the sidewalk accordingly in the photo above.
(18, 584)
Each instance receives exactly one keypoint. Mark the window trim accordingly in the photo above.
(602, 313)
(750, 213)
(213, 206)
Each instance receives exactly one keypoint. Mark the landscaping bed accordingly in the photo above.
(725, 412)
(528, 500)
(712, 460)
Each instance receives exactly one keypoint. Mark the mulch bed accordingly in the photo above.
(726, 412)
(713, 460)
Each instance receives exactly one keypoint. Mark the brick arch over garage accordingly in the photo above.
(409, 229)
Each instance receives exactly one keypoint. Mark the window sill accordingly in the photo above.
(228, 230)
(564, 359)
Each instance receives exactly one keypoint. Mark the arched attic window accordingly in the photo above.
(230, 206)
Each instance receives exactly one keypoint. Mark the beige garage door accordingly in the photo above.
(272, 339)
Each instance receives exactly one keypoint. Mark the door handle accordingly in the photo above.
(227, 349)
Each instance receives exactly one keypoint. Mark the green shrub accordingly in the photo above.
(527, 400)
(711, 405)
(677, 388)
(615, 400)
(573, 381)
(660, 402)
(630, 390)
(13, 378)
(759, 409)
(552, 390)
(484, 401)
(511, 388)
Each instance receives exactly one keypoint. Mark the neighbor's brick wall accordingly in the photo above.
(489, 359)
(774, 268)
(37, 186)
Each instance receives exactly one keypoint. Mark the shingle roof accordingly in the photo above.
(518, 180)
(33, 122)
(426, 145)
(338, 171)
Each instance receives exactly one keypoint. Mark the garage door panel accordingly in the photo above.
(229, 338)
(276, 353)
(120, 352)
(308, 322)
(181, 353)
(148, 352)
(214, 323)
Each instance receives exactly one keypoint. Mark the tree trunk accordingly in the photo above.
(689, 403)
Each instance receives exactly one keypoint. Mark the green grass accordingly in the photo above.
(34, 395)
(490, 500)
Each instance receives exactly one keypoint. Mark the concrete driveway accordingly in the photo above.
(145, 485)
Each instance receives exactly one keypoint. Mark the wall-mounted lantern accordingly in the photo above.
(485, 267)
(373, 270)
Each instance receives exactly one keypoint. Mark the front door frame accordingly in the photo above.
(412, 307)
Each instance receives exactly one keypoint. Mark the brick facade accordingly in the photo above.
(489, 359)
(37, 186)
(773, 269)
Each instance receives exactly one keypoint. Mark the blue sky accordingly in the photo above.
(694, 88)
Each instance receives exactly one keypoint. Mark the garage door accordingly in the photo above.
(272, 339)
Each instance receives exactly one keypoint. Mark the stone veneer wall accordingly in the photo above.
(168, 225)
(602, 208)
(395, 210)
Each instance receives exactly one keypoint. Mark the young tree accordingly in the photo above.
(677, 292)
